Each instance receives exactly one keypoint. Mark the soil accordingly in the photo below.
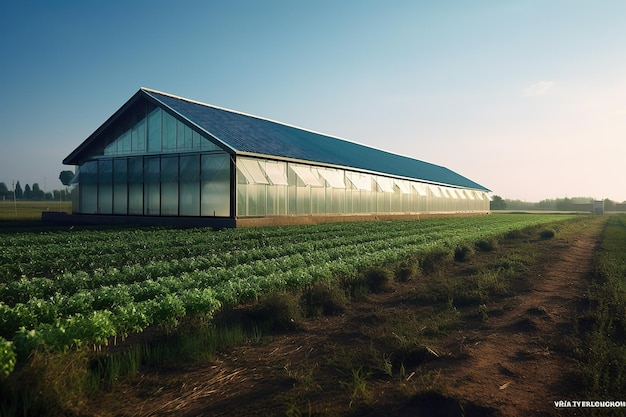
(515, 360)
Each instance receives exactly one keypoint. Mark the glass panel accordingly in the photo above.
(169, 132)
(154, 130)
(215, 185)
(135, 170)
(89, 172)
(360, 181)
(120, 176)
(385, 184)
(190, 168)
(138, 138)
(190, 198)
(190, 185)
(404, 186)
(252, 171)
(304, 173)
(135, 199)
(120, 171)
(105, 188)
(152, 197)
(169, 186)
(135, 186)
(111, 148)
(88, 198)
(276, 172)
(333, 177)
(187, 137)
(123, 146)
(197, 140)
(120, 198)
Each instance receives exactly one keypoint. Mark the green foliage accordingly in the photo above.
(497, 203)
(486, 244)
(547, 233)
(604, 369)
(8, 358)
(278, 311)
(64, 289)
(434, 259)
(408, 269)
(323, 298)
(378, 279)
(463, 252)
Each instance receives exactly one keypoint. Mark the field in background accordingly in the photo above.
(30, 210)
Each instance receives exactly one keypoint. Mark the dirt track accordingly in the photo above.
(518, 361)
(515, 362)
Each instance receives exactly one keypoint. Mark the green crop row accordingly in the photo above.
(126, 280)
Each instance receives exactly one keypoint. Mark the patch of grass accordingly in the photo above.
(407, 270)
(463, 252)
(30, 210)
(278, 311)
(434, 260)
(486, 244)
(323, 299)
(378, 279)
(604, 352)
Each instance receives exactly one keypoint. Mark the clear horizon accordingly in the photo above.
(527, 98)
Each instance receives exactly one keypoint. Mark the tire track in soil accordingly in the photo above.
(518, 361)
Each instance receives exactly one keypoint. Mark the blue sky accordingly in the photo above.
(527, 98)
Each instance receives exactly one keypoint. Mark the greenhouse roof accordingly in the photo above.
(241, 133)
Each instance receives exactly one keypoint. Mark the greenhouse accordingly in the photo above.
(163, 157)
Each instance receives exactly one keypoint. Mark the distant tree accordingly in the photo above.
(497, 203)
(37, 193)
(4, 191)
(564, 204)
(609, 205)
(547, 204)
(66, 177)
(27, 192)
(19, 194)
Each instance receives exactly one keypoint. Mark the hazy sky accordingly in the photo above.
(527, 98)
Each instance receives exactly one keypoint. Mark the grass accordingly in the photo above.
(604, 352)
(30, 210)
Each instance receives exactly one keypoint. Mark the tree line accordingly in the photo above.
(559, 204)
(34, 192)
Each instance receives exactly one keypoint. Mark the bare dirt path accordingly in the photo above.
(518, 361)
(515, 362)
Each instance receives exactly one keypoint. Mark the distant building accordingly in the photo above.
(598, 207)
(166, 159)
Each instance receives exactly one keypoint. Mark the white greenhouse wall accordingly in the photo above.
(275, 188)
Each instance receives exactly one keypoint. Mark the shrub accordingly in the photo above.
(323, 299)
(463, 253)
(407, 270)
(278, 311)
(378, 279)
(434, 259)
(486, 245)
(547, 233)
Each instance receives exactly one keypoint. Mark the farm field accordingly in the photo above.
(30, 210)
(71, 292)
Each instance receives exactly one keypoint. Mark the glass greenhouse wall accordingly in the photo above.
(273, 188)
(150, 163)
(161, 185)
